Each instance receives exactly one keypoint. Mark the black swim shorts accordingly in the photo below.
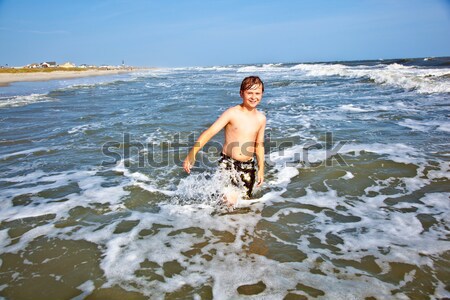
(245, 174)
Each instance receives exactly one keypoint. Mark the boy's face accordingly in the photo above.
(252, 96)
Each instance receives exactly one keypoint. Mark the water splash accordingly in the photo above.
(210, 188)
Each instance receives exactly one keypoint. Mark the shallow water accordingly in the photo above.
(94, 203)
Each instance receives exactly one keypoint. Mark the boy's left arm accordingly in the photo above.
(260, 152)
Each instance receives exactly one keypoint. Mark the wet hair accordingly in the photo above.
(250, 81)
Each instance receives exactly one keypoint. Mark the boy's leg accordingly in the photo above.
(227, 167)
(230, 198)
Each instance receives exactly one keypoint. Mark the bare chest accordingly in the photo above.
(244, 126)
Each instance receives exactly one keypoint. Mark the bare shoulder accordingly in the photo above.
(228, 113)
(232, 110)
(261, 117)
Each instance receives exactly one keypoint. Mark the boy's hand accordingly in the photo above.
(187, 164)
(260, 178)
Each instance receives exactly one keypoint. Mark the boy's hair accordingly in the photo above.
(250, 81)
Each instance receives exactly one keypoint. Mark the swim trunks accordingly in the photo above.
(245, 174)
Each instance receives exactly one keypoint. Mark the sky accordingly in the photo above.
(176, 33)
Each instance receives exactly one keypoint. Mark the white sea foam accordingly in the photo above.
(29, 178)
(352, 108)
(444, 127)
(92, 191)
(311, 153)
(263, 68)
(322, 69)
(443, 172)
(397, 152)
(140, 179)
(422, 80)
(348, 175)
(426, 126)
(213, 68)
(16, 101)
(437, 202)
(87, 288)
(83, 128)
(4, 240)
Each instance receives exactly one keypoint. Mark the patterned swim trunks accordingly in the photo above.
(245, 172)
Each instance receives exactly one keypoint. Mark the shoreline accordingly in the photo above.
(8, 78)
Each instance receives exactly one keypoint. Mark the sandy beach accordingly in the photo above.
(7, 78)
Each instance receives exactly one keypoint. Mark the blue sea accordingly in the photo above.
(94, 203)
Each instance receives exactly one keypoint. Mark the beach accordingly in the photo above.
(7, 78)
(95, 204)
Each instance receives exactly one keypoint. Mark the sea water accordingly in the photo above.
(94, 203)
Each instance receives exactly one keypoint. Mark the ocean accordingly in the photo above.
(94, 203)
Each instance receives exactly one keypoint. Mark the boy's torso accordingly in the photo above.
(241, 133)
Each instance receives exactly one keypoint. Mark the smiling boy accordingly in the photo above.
(244, 138)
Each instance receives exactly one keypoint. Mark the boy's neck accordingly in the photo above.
(249, 109)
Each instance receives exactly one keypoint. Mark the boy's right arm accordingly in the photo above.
(220, 123)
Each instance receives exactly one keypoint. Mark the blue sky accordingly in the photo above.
(207, 32)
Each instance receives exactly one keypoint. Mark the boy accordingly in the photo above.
(244, 137)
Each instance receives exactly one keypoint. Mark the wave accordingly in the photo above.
(23, 100)
(421, 80)
(45, 91)
(262, 68)
(85, 128)
(89, 82)
(426, 126)
(211, 68)
(33, 151)
(399, 153)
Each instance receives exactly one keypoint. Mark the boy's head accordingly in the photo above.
(251, 81)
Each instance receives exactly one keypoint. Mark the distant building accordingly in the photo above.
(48, 64)
(106, 67)
(68, 65)
(33, 66)
(45, 64)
